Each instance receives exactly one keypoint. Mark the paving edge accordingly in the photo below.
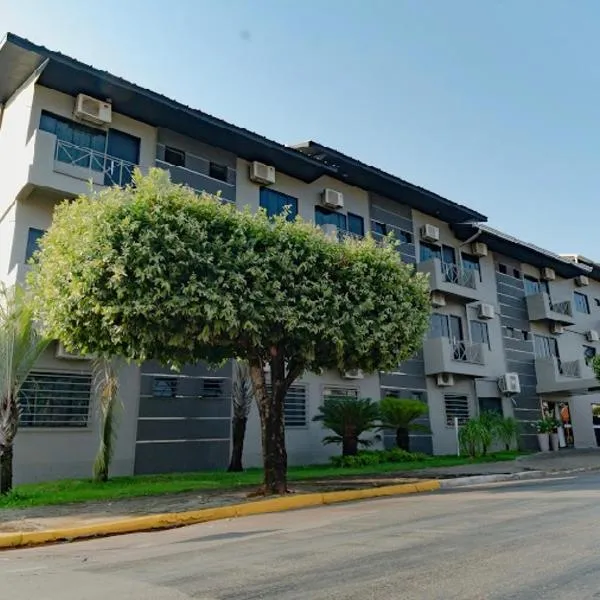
(482, 479)
(20, 539)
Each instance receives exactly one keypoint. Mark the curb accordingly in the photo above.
(21, 539)
(482, 479)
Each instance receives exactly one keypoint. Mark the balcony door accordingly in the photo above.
(123, 152)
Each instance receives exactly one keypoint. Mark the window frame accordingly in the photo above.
(176, 152)
(586, 303)
(267, 194)
(33, 240)
(359, 220)
(483, 326)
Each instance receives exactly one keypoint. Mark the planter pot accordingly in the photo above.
(544, 442)
(554, 442)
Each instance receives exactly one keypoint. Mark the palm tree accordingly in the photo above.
(399, 414)
(107, 391)
(348, 418)
(21, 345)
(507, 430)
(242, 396)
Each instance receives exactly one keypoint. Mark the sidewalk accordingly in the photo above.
(92, 513)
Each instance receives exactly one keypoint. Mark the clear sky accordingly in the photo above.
(491, 103)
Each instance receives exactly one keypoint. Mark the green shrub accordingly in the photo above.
(476, 436)
(367, 458)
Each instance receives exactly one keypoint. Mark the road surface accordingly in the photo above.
(528, 540)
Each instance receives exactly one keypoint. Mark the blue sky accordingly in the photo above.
(493, 104)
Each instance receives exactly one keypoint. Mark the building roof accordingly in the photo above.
(19, 58)
(588, 263)
(524, 252)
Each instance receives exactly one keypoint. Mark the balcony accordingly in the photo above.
(336, 233)
(451, 279)
(196, 174)
(69, 170)
(556, 375)
(541, 308)
(442, 355)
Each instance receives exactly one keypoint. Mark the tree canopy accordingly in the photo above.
(156, 271)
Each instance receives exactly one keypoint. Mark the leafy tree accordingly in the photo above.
(348, 418)
(154, 271)
(21, 344)
(399, 414)
(107, 391)
(242, 396)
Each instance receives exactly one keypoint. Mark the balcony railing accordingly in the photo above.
(115, 171)
(343, 234)
(455, 274)
(562, 308)
(468, 352)
(571, 368)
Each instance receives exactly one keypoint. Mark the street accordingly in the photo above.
(529, 540)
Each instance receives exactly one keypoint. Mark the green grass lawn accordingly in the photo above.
(81, 490)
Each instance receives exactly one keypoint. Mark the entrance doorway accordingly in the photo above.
(560, 410)
(596, 422)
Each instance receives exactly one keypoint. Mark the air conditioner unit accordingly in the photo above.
(92, 110)
(548, 274)
(486, 311)
(261, 173)
(430, 233)
(445, 379)
(438, 299)
(582, 280)
(332, 198)
(592, 336)
(479, 249)
(509, 384)
(556, 328)
(353, 374)
(62, 353)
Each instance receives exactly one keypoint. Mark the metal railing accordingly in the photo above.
(562, 308)
(198, 165)
(115, 171)
(454, 274)
(467, 352)
(343, 234)
(570, 368)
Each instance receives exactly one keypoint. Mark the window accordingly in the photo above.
(324, 216)
(164, 387)
(403, 236)
(581, 303)
(589, 352)
(490, 405)
(456, 406)
(429, 251)
(55, 399)
(378, 228)
(294, 407)
(471, 263)
(479, 333)
(403, 393)
(174, 156)
(448, 326)
(502, 269)
(516, 274)
(356, 224)
(597, 301)
(33, 240)
(331, 391)
(545, 346)
(212, 388)
(276, 203)
(217, 171)
(534, 286)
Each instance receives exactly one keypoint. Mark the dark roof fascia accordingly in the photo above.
(369, 177)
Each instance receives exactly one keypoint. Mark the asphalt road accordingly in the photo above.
(529, 540)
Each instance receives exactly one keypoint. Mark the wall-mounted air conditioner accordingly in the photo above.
(438, 299)
(479, 249)
(62, 353)
(582, 280)
(261, 173)
(592, 336)
(430, 233)
(486, 311)
(509, 384)
(353, 374)
(445, 379)
(92, 110)
(557, 328)
(332, 198)
(548, 274)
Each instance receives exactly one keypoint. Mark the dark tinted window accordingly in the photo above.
(217, 171)
(174, 156)
(356, 224)
(275, 203)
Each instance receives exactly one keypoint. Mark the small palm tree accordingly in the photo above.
(399, 414)
(21, 345)
(348, 418)
(242, 396)
(107, 391)
(507, 430)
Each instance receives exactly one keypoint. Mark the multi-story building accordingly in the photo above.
(499, 304)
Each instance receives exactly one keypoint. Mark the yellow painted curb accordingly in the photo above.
(170, 520)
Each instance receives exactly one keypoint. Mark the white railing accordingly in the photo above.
(467, 352)
(115, 171)
(571, 368)
(562, 308)
(343, 234)
(455, 274)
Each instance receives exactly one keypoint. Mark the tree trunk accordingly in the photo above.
(349, 445)
(6, 470)
(402, 439)
(270, 408)
(237, 451)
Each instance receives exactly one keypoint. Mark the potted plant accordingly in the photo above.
(543, 428)
(554, 424)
